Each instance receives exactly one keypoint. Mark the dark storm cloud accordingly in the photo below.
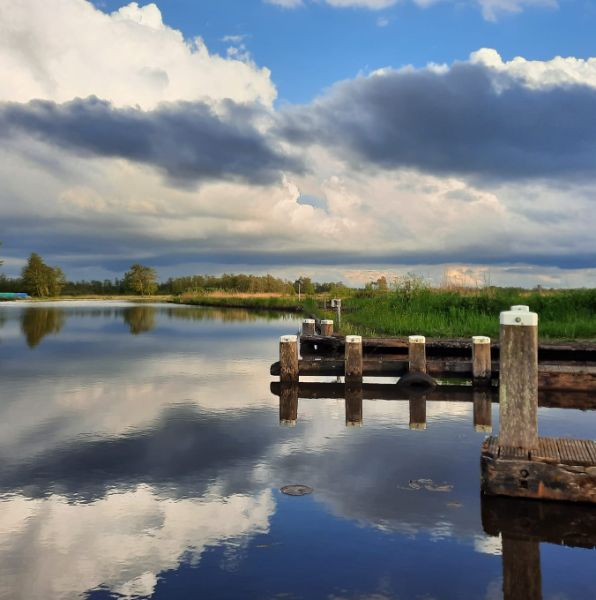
(189, 142)
(464, 120)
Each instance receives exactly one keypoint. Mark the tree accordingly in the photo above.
(141, 280)
(40, 279)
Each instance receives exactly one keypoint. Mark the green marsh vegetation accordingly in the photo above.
(463, 312)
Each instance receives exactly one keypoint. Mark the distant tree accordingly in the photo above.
(305, 285)
(40, 279)
(141, 280)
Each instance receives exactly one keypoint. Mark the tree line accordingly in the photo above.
(42, 280)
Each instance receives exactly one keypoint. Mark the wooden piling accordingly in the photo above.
(353, 398)
(353, 359)
(326, 327)
(518, 379)
(417, 353)
(481, 360)
(482, 410)
(288, 404)
(308, 327)
(288, 359)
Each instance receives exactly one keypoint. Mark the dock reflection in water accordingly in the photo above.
(149, 466)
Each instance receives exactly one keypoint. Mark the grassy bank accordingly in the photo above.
(250, 301)
(564, 314)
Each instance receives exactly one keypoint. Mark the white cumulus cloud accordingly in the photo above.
(129, 58)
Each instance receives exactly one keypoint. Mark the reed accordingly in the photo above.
(564, 314)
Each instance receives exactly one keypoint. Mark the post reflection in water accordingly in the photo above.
(288, 404)
(523, 525)
(353, 394)
(482, 411)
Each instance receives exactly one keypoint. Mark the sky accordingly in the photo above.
(337, 139)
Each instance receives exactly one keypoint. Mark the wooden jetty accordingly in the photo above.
(566, 367)
(517, 462)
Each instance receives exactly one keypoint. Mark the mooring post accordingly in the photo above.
(288, 359)
(288, 404)
(308, 327)
(481, 361)
(482, 411)
(353, 359)
(417, 354)
(518, 378)
(326, 327)
(353, 395)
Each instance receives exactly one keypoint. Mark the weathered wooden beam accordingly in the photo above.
(557, 469)
(518, 379)
(547, 351)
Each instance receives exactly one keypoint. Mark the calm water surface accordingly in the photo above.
(141, 456)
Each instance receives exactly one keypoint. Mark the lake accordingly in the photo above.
(142, 456)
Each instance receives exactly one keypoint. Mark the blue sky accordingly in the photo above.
(339, 139)
(309, 48)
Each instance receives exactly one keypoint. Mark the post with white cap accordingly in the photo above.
(288, 359)
(326, 327)
(353, 359)
(308, 327)
(518, 378)
(417, 364)
(417, 354)
(481, 361)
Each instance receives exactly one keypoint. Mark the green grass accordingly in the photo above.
(281, 303)
(564, 314)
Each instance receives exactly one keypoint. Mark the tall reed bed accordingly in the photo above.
(564, 314)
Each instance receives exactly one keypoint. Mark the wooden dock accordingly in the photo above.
(523, 373)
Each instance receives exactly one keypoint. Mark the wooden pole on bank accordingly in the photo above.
(417, 353)
(288, 359)
(353, 359)
(308, 327)
(326, 327)
(481, 361)
(518, 378)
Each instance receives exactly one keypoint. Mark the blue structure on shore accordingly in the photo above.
(13, 295)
